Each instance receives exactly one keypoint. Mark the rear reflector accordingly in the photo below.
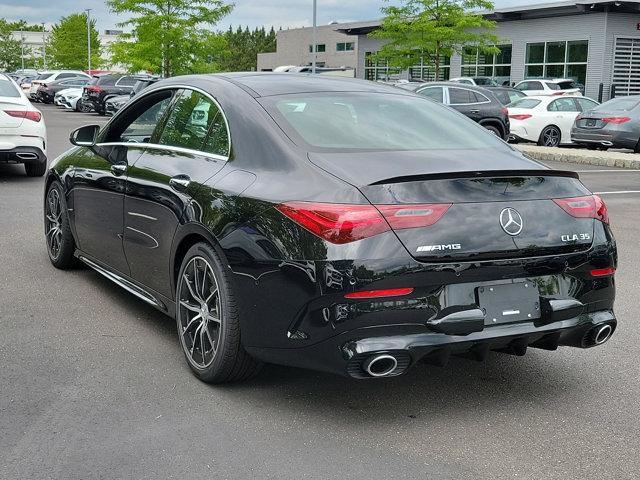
(28, 114)
(590, 206)
(616, 120)
(413, 216)
(336, 223)
(603, 272)
(389, 292)
(520, 116)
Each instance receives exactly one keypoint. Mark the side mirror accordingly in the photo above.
(85, 136)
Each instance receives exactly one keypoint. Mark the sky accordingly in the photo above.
(279, 13)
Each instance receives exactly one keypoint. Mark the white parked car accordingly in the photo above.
(23, 135)
(477, 81)
(549, 86)
(68, 98)
(50, 76)
(546, 120)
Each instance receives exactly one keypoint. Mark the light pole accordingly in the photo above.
(22, 48)
(44, 47)
(88, 10)
(314, 48)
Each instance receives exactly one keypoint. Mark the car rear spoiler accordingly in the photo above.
(482, 174)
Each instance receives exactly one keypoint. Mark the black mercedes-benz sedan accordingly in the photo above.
(330, 224)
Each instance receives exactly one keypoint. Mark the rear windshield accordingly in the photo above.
(8, 89)
(620, 103)
(566, 85)
(525, 103)
(485, 81)
(375, 121)
(507, 96)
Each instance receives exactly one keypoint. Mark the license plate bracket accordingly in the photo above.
(591, 122)
(509, 302)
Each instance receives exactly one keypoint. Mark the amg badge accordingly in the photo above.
(433, 248)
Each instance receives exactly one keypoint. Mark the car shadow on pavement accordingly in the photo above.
(13, 172)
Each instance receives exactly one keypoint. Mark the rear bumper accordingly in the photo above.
(606, 138)
(23, 155)
(347, 354)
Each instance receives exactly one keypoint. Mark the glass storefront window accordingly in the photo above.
(555, 52)
(577, 51)
(561, 59)
(535, 53)
(477, 63)
(534, 71)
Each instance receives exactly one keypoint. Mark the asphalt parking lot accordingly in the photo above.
(93, 384)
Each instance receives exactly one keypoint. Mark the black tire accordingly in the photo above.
(203, 273)
(550, 136)
(56, 225)
(495, 130)
(637, 147)
(35, 169)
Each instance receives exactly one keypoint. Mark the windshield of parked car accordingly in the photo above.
(620, 103)
(525, 103)
(8, 89)
(375, 121)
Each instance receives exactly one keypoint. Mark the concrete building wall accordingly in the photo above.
(293, 48)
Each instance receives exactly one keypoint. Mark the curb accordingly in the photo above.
(585, 157)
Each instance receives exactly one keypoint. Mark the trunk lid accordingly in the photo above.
(491, 216)
(10, 104)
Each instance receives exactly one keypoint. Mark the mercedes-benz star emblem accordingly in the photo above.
(511, 221)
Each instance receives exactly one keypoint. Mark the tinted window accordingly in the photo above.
(43, 76)
(478, 97)
(375, 121)
(8, 89)
(586, 104)
(525, 103)
(566, 85)
(459, 96)
(620, 103)
(552, 86)
(126, 82)
(434, 93)
(67, 75)
(535, 86)
(562, 105)
(138, 122)
(190, 120)
(106, 80)
(507, 96)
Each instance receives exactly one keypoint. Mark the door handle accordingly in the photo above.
(180, 182)
(474, 111)
(118, 169)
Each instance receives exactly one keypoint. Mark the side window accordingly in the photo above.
(137, 124)
(193, 116)
(586, 104)
(535, 86)
(478, 97)
(523, 86)
(126, 82)
(458, 96)
(66, 75)
(434, 93)
(562, 105)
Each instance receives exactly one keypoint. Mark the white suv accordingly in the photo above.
(548, 86)
(50, 76)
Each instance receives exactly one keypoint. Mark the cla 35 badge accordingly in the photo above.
(511, 221)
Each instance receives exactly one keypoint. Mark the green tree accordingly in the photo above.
(166, 34)
(21, 25)
(244, 46)
(433, 30)
(67, 46)
(10, 48)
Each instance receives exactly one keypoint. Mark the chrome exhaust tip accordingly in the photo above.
(26, 156)
(380, 365)
(602, 334)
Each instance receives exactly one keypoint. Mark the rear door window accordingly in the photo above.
(126, 82)
(193, 116)
(563, 105)
(460, 96)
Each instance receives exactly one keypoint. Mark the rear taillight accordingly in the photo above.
(590, 206)
(520, 116)
(28, 114)
(616, 120)
(413, 216)
(343, 223)
(336, 223)
(94, 89)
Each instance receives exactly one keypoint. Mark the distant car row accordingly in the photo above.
(533, 86)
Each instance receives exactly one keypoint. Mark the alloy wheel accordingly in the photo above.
(551, 137)
(54, 223)
(199, 312)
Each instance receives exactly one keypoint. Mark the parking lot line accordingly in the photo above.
(622, 192)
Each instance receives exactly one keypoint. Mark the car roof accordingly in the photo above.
(261, 84)
(475, 88)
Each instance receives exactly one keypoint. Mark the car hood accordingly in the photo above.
(366, 168)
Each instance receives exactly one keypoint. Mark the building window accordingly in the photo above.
(345, 46)
(378, 70)
(320, 48)
(426, 71)
(557, 59)
(475, 63)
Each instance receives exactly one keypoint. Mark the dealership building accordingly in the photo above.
(597, 43)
